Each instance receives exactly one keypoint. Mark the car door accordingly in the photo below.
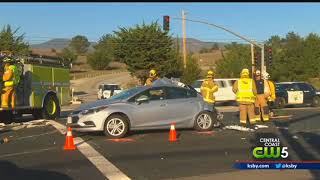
(182, 106)
(221, 87)
(308, 92)
(149, 114)
(295, 94)
(231, 94)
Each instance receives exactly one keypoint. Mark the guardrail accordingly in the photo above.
(74, 76)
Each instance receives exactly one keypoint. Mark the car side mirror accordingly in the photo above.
(142, 99)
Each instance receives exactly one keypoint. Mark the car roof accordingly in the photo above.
(289, 82)
(110, 84)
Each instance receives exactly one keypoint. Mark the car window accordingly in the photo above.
(305, 87)
(295, 87)
(127, 93)
(197, 84)
(223, 84)
(282, 87)
(153, 94)
(231, 82)
(219, 83)
(178, 93)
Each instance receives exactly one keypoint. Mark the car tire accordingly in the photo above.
(51, 108)
(316, 101)
(6, 117)
(204, 121)
(121, 122)
(280, 103)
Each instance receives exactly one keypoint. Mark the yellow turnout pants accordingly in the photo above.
(8, 95)
(247, 110)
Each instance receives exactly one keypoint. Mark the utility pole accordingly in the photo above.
(263, 67)
(252, 59)
(184, 39)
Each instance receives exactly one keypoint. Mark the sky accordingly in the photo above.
(43, 21)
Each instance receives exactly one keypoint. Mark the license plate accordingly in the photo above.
(69, 120)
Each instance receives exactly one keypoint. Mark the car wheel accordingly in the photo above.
(6, 117)
(204, 121)
(116, 126)
(280, 103)
(316, 101)
(51, 108)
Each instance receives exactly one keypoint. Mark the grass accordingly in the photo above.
(315, 82)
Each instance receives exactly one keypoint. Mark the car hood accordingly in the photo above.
(102, 102)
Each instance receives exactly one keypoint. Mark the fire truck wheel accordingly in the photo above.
(51, 107)
(6, 117)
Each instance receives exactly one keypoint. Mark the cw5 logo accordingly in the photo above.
(270, 152)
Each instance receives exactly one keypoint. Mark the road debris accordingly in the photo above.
(282, 127)
(239, 128)
(243, 138)
(261, 126)
(4, 140)
(295, 137)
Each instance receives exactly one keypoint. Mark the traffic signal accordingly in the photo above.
(270, 56)
(257, 59)
(166, 23)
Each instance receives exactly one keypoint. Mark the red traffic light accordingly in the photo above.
(166, 23)
(167, 18)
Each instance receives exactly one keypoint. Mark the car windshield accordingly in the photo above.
(109, 87)
(127, 93)
(197, 84)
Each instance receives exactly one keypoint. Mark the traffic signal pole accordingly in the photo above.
(263, 69)
(184, 39)
(252, 59)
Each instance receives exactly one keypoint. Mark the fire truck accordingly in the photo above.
(43, 88)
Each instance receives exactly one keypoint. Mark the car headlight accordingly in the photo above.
(93, 110)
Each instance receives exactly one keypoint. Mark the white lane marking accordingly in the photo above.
(105, 167)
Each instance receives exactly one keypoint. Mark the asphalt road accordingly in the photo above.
(87, 88)
(37, 152)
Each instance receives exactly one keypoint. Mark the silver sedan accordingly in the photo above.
(141, 108)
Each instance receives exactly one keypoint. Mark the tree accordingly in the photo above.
(11, 41)
(192, 71)
(145, 47)
(215, 46)
(237, 58)
(67, 55)
(99, 60)
(79, 44)
(103, 54)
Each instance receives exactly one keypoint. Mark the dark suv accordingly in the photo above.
(296, 93)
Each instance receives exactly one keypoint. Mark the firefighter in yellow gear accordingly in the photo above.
(263, 92)
(10, 79)
(209, 87)
(152, 77)
(271, 99)
(245, 90)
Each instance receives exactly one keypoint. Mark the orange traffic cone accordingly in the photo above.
(172, 134)
(69, 145)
